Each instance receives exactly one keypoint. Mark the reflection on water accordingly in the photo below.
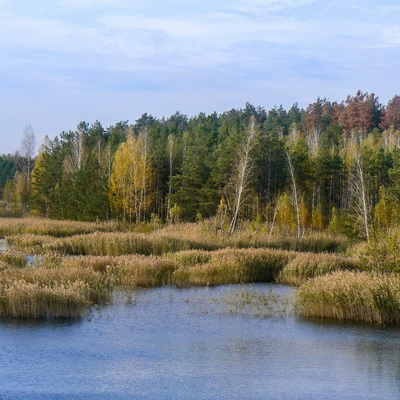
(171, 343)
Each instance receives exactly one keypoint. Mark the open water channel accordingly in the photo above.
(169, 343)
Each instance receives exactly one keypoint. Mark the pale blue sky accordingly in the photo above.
(63, 61)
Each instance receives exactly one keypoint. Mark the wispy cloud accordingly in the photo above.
(87, 4)
(263, 6)
(190, 55)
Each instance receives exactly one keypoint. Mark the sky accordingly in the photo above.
(66, 61)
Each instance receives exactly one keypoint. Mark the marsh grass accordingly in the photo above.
(13, 259)
(42, 226)
(127, 271)
(311, 242)
(87, 262)
(229, 266)
(21, 299)
(169, 239)
(31, 243)
(104, 243)
(351, 296)
(306, 266)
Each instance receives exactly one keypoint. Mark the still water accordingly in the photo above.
(169, 343)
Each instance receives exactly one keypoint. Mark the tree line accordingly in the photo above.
(332, 165)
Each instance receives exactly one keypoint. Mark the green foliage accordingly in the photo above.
(7, 172)
(190, 162)
(382, 254)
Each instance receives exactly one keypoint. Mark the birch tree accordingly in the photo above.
(28, 145)
(358, 185)
(239, 186)
(295, 194)
(132, 178)
(360, 201)
(171, 149)
(77, 155)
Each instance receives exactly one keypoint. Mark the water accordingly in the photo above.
(197, 344)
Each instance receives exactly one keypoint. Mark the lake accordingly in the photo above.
(169, 343)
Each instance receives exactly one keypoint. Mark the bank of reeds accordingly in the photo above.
(229, 266)
(317, 242)
(187, 268)
(127, 271)
(13, 259)
(83, 264)
(205, 233)
(42, 292)
(154, 243)
(306, 266)
(351, 296)
(97, 284)
(21, 299)
(43, 226)
(106, 243)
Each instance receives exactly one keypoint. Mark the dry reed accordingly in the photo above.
(230, 266)
(310, 265)
(127, 271)
(100, 259)
(42, 226)
(352, 296)
(21, 299)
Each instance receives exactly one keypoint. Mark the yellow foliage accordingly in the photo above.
(285, 217)
(132, 179)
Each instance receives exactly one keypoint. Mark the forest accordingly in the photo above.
(330, 166)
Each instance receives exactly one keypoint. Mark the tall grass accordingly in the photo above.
(42, 226)
(229, 266)
(306, 266)
(13, 258)
(163, 241)
(85, 262)
(352, 296)
(43, 292)
(103, 243)
(127, 271)
(21, 299)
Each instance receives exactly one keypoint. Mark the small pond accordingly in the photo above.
(203, 343)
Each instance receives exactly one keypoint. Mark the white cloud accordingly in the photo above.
(86, 4)
(204, 54)
(262, 6)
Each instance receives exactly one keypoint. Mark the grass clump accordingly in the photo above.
(306, 266)
(13, 259)
(43, 292)
(351, 296)
(21, 299)
(101, 244)
(229, 266)
(42, 226)
(127, 271)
